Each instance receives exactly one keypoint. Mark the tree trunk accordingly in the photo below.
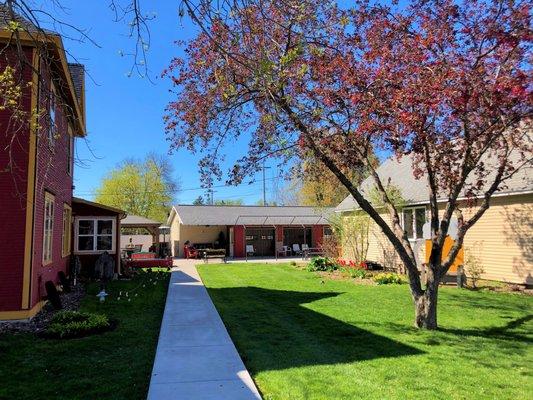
(426, 306)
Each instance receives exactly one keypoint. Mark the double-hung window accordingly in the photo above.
(95, 235)
(48, 236)
(414, 219)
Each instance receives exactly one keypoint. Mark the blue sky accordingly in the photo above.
(124, 114)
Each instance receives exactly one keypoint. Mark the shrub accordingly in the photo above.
(69, 324)
(355, 272)
(322, 264)
(387, 278)
(473, 266)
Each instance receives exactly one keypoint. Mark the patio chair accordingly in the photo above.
(249, 250)
(282, 250)
(305, 247)
(296, 249)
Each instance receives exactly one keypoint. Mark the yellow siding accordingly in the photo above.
(175, 236)
(180, 233)
(379, 248)
(502, 238)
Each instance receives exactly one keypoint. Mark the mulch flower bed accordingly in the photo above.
(38, 324)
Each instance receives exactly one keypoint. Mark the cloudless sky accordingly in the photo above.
(124, 114)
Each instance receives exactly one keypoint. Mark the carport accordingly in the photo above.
(260, 226)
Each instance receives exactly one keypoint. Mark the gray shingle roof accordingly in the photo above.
(415, 191)
(138, 220)
(251, 215)
(77, 72)
(26, 25)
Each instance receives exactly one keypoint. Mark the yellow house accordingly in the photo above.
(502, 240)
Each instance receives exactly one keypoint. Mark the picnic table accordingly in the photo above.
(147, 260)
(206, 254)
(312, 251)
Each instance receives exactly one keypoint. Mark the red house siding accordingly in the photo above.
(39, 167)
(51, 176)
(14, 158)
(239, 241)
(317, 234)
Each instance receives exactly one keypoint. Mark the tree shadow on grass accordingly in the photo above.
(273, 331)
(506, 332)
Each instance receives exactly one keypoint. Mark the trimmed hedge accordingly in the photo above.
(71, 324)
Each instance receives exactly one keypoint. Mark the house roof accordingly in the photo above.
(250, 215)
(98, 205)
(399, 172)
(32, 35)
(136, 220)
(77, 73)
(25, 23)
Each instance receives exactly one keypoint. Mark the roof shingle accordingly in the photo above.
(416, 191)
(252, 215)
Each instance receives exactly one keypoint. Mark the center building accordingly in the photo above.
(256, 230)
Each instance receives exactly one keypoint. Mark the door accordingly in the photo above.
(231, 241)
(263, 240)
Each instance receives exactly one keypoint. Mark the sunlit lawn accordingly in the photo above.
(113, 365)
(304, 339)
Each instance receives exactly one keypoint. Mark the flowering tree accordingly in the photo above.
(447, 83)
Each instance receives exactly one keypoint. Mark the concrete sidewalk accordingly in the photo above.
(195, 358)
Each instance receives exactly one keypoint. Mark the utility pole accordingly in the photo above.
(264, 184)
(210, 193)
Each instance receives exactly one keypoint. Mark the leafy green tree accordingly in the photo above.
(199, 201)
(140, 187)
(235, 202)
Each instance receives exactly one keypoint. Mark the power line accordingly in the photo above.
(93, 192)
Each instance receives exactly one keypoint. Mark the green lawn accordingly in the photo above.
(304, 338)
(112, 365)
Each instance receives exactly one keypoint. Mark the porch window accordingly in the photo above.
(414, 219)
(95, 235)
(66, 236)
(48, 227)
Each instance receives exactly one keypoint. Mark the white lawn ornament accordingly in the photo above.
(102, 295)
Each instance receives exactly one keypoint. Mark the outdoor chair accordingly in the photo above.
(190, 252)
(296, 249)
(249, 250)
(282, 250)
(305, 247)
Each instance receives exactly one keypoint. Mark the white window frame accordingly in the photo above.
(95, 234)
(48, 228)
(413, 210)
(66, 235)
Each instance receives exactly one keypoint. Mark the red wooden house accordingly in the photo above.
(36, 169)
